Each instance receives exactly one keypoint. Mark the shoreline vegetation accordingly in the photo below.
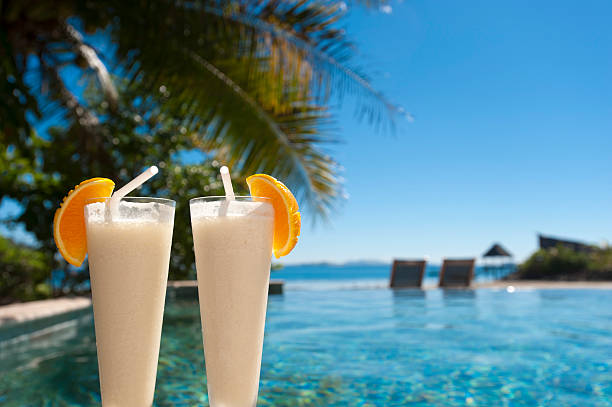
(564, 264)
(24, 273)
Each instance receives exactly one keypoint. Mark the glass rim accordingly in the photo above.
(216, 198)
(143, 199)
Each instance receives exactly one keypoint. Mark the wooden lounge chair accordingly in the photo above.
(407, 273)
(457, 273)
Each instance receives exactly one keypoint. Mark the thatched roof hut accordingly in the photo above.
(497, 251)
(498, 261)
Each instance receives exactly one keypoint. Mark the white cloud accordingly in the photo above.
(387, 9)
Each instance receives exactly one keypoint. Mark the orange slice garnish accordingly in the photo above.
(69, 220)
(287, 220)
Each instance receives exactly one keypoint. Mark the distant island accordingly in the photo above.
(354, 263)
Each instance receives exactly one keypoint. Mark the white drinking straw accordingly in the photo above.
(227, 183)
(130, 186)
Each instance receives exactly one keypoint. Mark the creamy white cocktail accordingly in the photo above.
(129, 254)
(233, 247)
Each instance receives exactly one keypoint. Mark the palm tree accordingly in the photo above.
(250, 78)
(128, 83)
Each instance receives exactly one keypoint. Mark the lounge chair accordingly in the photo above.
(457, 273)
(407, 273)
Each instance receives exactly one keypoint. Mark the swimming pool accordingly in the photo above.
(365, 348)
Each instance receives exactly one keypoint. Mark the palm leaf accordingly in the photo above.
(303, 33)
(247, 85)
(250, 78)
(90, 56)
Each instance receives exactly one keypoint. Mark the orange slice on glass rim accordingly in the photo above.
(287, 220)
(69, 220)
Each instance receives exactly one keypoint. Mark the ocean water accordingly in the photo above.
(358, 276)
(364, 347)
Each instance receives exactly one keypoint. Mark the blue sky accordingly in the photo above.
(512, 133)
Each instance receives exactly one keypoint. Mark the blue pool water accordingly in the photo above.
(373, 347)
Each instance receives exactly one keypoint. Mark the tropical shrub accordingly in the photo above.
(24, 273)
(562, 263)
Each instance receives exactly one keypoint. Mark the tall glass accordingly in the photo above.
(129, 254)
(233, 248)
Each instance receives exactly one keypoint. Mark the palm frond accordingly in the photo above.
(250, 78)
(60, 92)
(90, 56)
(316, 42)
(229, 106)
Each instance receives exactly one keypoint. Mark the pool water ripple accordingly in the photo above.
(365, 348)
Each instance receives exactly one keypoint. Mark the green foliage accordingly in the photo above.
(182, 183)
(251, 79)
(120, 150)
(244, 83)
(24, 273)
(562, 263)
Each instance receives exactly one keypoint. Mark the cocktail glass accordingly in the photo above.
(129, 254)
(233, 247)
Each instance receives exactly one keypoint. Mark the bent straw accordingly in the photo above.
(130, 186)
(227, 183)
